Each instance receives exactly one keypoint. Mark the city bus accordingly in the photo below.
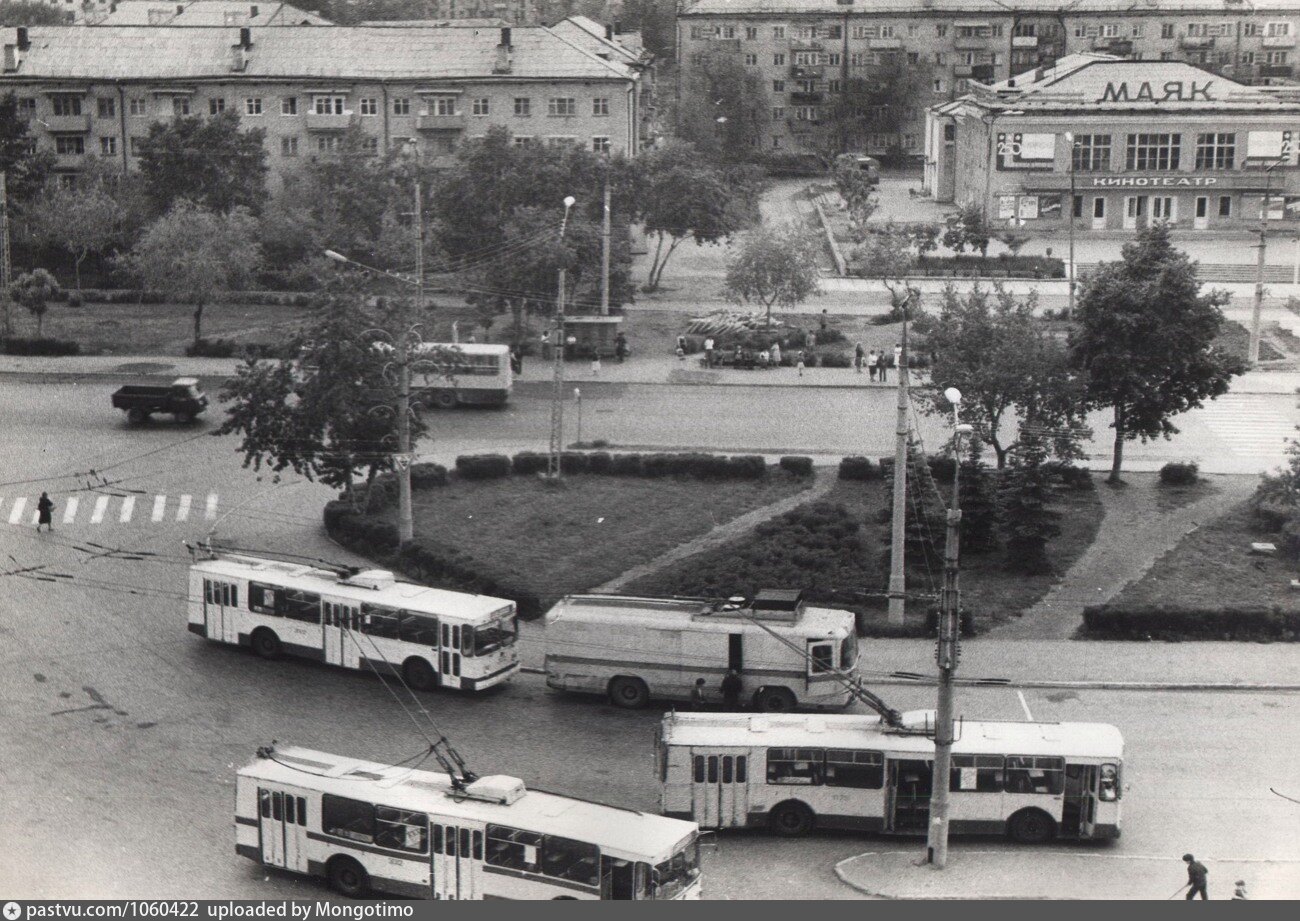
(793, 773)
(464, 373)
(431, 637)
(787, 653)
(366, 826)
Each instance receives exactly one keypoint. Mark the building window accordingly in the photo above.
(108, 147)
(330, 105)
(64, 106)
(778, 31)
(776, 142)
(1137, 30)
(562, 106)
(523, 140)
(216, 106)
(600, 145)
(778, 60)
(1153, 151)
(69, 145)
(751, 33)
(289, 105)
(859, 58)
(807, 58)
(1167, 29)
(327, 143)
(1216, 150)
(727, 32)
(913, 30)
(909, 142)
(1277, 29)
(444, 106)
(833, 59)
(401, 106)
(941, 30)
(751, 60)
(561, 140)
(1225, 206)
(1252, 29)
(253, 106)
(481, 106)
(288, 147)
(1166, 55)
(369, 106)
(1077, 209)
(835, 32)
(834, 86)
(940, 58)
(1091, 153)
(778, 113)
(180, 106)
(106, 108)
(701, 33)
(600, 106)
(1110, 30)
(27, 106)
(523, 107)
(370, 145)
(1248, 57)
(938, 84)
(1276, 58)
(778, 86)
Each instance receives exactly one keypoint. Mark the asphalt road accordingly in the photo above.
(123, 731)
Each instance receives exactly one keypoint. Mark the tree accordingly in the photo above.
(776, 266)
(34, 290)
(1007, 365)
(25, 165)
(680, 195)
(968, 227)
(1144, 340)
(81, 218)
(193, 255)
(1028, 523)
(209, 161)
(859, 193)
(882, 101)
(31, 13)
(723, 108)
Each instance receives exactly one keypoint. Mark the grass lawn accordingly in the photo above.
(1213, 565)
(552, 541)
(1234, 339)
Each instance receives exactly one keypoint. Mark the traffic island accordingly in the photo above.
(1033, 873)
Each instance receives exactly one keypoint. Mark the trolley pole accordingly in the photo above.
(604, 249)
(897, 559)
(947, 654)
(405, 516)
(557, 387)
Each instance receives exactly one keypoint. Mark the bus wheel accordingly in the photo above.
(628, 693)
(445, 399)
(1031, 826)
(420, 675)
(185, 418)
(347, 877)
(136, 416)
(266, 644)
(775, 700)
(791, 819)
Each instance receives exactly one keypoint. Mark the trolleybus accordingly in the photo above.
(415, 833)
(788, 654)
(367, 620)
(793, 773)
(470, 373)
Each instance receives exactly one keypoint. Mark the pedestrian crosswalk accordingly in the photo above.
(1251, 425)
(21, 510)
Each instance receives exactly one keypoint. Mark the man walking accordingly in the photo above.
(44, 512)
(859, 357)
(708, 352)
(882, 365)
(731, 688)
(1196, 874)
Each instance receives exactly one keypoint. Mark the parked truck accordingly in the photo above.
(183, 399)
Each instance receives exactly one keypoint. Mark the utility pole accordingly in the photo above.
(897, 560)
(604, 250)
(6, 265)
(1074, 146)
(1257, 308)
(405, 516)
(557, 388)
(947, 654)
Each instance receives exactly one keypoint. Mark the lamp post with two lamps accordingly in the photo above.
(1074, 152)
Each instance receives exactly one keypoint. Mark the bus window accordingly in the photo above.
(742, 772)
(347, 818)
(497, 634)
(261, 599)
(1026, 774)
(512, 848)
(207, 592)
(289, 810)
(467, 640)
(302, 811)
(859, 769)
(794, 766)
(401, 830)
(728, 765)
(976, 774)
(297, 605)
(265, 797)
(643, 883)
(713, 768)
(418, 628)
(437, 839)
(277, 806)
(575, 861)
(380, 621)
(1109, 789)
(478, 845)
(699, 768)
(455, 639)
(617, 879)
(822, 656)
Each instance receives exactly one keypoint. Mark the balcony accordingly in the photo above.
(804, 44)
(1196, 42)
(962, 70)
(1279, 41)
(804, 124)
(983, 73)
(1122, 47)
(66, 124)
(811, 97)
(726, 44)
(885, 44)
(972, 42)
(1024, 41)
(808, 71)
(64, 162)
(316, 121)
(441, 122)
(1276, 70)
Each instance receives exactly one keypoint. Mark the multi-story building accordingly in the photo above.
(93, 92)
(516, 12)
(195, 13)
(807, 51)
(1112, 144)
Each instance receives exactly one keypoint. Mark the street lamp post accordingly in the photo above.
(557, 390)
(1074, 146)
(577, 398)
(897, 611)
(947, 654)
(1257, 307)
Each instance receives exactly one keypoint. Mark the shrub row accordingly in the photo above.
(137, 296)
(1176, 474)
(1172, 622)
(703, 466)
(18, 345)
(228, 348)
(859, 468)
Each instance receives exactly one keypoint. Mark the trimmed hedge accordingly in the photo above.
(526, 463)
(627, 465)
(228, 348)
(18, 345)
(1176, 474)
(747, 467)
(258, 298)
(483, 466)
(1171, 622)
(858, 468)
(799, 465)
(425, 476)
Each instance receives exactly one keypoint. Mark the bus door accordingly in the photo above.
(339, 619)
(720, 787)
(283, 827)
(220, 604)
(820, 661)
(1079, 810)
(457, 855)
(449, 660)
(907, 795)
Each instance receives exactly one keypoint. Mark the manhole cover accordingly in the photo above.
(145, 367)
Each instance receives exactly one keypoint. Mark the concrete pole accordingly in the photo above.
(1073, 146)
(604, 250)
(897, 560)
(1257, 307)
(405, 515)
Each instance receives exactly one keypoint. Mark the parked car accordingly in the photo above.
(183, 399)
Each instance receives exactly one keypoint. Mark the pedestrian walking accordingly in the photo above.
(697, 695)
(731, 688)
(824, 319)
(800, 363)
(620, 348)
(860, 357)
(1196, 874)
(708, 352)
(872, 360)
(595, 362)
(776, 354)
(882, 368)
(44, 512)
(1239, 894)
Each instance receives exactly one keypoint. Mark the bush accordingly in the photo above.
(797, 465)
(600, 462)
(829, 336)
(427, 476)
(942, 468)
(210, 348)
(1173, 622)
(747, 467)
(483, 466)
(656, 465)
(529, 462)
(18, 345)
(858, 468)
(75, 299)
(573, 462)
(1179, 474)
(835, 360)
(626, 465)
(1076, 477)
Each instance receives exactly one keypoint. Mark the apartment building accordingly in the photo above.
(1113, 144)
(806, 51)
(195, 13)
(93, 92)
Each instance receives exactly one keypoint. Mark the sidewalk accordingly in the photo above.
(1055, 872)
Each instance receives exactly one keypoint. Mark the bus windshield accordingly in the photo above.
(678, 872)
(498, 633)
(849, 651)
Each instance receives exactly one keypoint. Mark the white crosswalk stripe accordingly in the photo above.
(118, 509)
(70, 510)
(16, 513)
(159, 506)
(1249, 425)
(128, 508)
(183, 510)
(210, 512)
(101, 506)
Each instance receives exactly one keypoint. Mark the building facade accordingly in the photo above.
(806, 51)
(1112, 144)
(93, 92)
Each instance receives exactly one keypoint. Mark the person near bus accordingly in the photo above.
(1196, 877)
(45, 512)
(731, 687)
(517, 361)
(697, 695)
(1239, 894)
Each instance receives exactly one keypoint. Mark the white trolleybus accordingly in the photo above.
(793, 773)
(469, 373)
(416, 833)
(367, 620)
(788, 654)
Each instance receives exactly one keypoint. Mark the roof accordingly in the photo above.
(339, 52)
(802, 730)
(201, 13)
(683, 613)
(643, 834)
(967, 8)
(467, 23)
(394, 594)
(592, 34)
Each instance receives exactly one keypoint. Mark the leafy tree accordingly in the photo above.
(1028, 522)
(34, 290)
(979, 507)
(1007, 365)
(881, 101)
(26, 167)
(1144, 341)
(82, 218)
(724, 107)
(858, 192)
(776, 265)
(193, 255)
(680, 195)
(31, 13)
(208, 161)
(968, 227)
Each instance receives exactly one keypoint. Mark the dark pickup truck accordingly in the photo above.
(182, 400)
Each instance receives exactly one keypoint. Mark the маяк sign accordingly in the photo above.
(1175, 90)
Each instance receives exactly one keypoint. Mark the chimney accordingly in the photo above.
(180, 8)
(502, 65)
(252, 12)
(11, 59)
(618, 27)
(23, 41)
(245, 38)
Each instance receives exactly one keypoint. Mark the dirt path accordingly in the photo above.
(1134, 533)
(724, 532)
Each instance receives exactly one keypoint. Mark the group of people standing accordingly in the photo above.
(876, 363)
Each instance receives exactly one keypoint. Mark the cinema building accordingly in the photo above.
(1118, 144)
